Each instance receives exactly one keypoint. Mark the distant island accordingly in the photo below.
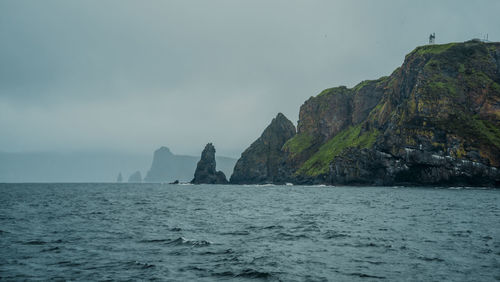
(433, 121)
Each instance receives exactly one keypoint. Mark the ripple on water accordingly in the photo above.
(212, 233)
(53, 249)
(330, 234)
(289, 236)
(245, 273)
(142, 265)
(425, 258)
(179, 241)
(236, 233)
(34, 242)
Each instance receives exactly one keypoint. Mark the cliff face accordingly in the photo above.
(435, 120)
(263, 161)
(205, 170)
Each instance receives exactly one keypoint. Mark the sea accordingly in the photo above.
(131, 232)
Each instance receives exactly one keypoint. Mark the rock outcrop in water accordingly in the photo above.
(135, 177)
(263, 161)
(119, 179)
(433, 121)
(206, 168)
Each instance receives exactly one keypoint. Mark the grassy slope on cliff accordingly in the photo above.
(352, 137)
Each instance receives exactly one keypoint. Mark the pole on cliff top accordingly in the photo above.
(432, 38)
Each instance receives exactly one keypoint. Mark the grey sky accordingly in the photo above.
(135, 75)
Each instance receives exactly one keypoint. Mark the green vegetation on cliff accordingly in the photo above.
(351, 137)
(334, 90)
(298, 144)
(488, 131)
(433, 49)
(472, 127)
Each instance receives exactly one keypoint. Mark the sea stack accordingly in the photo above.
(160, 166)
(119, 179)
(135, 177)
(264, 161)
(205, 170)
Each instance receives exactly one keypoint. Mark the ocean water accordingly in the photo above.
(240, 233)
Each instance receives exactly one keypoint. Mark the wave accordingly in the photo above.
(288, 236)
(430, 259)
(35, 242)
(237, 233)
(364, 275)
(184, 241)
(222, 252)
(139, 264)
(68, 263)
(273, 227)
(265, 185)
(368, 261)
(179, 241)
(334, 235)
(50, 249)
(155, 241)
(246, 273)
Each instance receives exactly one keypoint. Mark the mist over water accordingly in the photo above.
(275, 233)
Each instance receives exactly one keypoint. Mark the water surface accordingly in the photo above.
(277, 233)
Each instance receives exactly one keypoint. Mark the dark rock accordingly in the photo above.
(135, 177)
(372, 167)
(264, 160)
(205, 172)
(175, 182)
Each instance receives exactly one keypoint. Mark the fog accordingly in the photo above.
(131, 76)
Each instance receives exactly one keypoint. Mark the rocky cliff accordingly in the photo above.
(263, 161)
(205, 172)
(433, 121)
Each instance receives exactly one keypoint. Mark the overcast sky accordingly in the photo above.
(136, 75)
